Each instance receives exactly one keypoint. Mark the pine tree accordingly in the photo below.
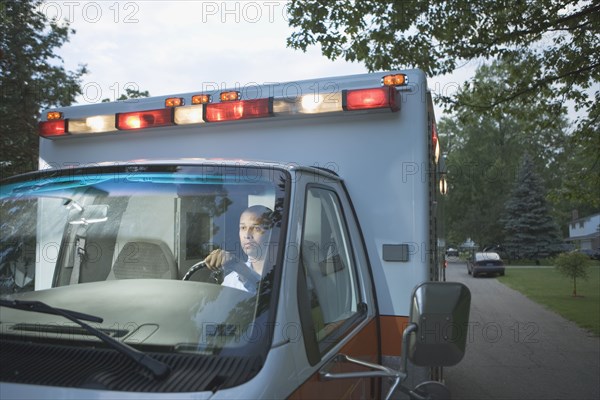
(530, 229)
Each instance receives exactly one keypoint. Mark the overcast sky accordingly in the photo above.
(169, 47)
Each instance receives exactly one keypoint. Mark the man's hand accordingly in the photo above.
(217, 259)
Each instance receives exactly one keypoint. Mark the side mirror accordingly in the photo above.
(440, 312)
(435, 336)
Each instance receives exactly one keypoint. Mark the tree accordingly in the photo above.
(530, 230)
(437, 36)
(484, 148)
(32, 78)
(581, 170)
(573, 265)
(556, 41)
(130, 94)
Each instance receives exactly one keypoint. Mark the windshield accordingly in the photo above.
(117, 242)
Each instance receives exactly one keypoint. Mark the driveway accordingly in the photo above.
(517, 349)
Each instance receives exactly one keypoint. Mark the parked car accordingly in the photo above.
(485, 263)
(451, 252)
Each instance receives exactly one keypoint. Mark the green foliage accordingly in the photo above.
(553, 45)
(32, 78)
(581, 170)
(484, 148)
(573, 265)
(546, 286)
(129, 94)
(438, 35)
(530, 229)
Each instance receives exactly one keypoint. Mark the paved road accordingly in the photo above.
(518, 349)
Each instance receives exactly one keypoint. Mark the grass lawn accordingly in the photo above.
(548, 287)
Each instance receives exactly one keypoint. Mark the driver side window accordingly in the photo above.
(328, 266)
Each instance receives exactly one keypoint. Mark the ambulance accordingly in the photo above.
(270, 241)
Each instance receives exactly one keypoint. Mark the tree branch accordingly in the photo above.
(544, 27)
(527, 89)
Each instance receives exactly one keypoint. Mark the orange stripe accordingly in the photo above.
(364, 346)
(392, 327)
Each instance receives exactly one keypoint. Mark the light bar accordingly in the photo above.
(367, 99)
(145, 119)
(189, 115)
(95, 124)
(236, 110)
(202, 110)
(52, 129)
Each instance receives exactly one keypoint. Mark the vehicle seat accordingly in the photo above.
(329, 283)
(144, 259)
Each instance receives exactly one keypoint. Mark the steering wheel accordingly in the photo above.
(214, 275)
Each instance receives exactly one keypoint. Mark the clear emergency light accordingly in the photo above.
(202, 110)
(95, 124)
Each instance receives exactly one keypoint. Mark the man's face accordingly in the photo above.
(253, 235)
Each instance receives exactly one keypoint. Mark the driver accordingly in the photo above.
(255, 231)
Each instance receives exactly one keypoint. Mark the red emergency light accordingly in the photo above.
(145, 119)
(236, 110)
(368, 99)
(53, 128)
(435, 143)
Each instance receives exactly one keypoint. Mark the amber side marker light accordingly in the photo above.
(394, 80)
(54, 115)
(230, 96)
(173, 102)
(201, 99)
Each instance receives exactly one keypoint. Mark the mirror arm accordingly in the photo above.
(377, 371)
(412, 327)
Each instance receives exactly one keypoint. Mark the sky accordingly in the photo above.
(170, 47)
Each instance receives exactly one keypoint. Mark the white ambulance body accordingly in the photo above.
(134, 195)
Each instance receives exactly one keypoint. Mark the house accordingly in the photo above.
(584, 232)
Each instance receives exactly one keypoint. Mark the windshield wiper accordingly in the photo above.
(38, 306)
(159, 369)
